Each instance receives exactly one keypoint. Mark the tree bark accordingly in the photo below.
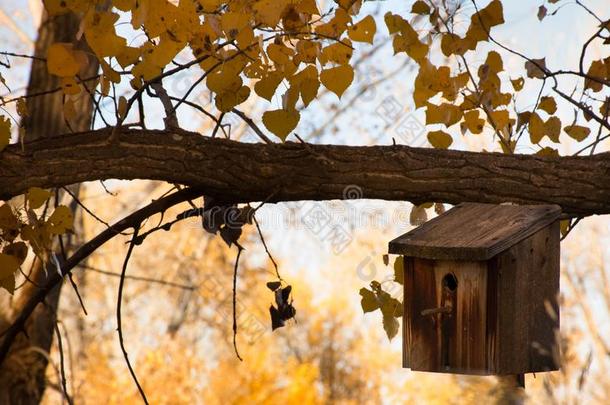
(240, 172)
(22, 376)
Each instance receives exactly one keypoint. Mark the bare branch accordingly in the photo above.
(136, 228)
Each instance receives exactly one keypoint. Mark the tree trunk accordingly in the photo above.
(22, 375)
(241, 172)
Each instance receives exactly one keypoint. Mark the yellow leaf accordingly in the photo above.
(267, 85)
(60, 220)
(165, 51)
(8, 265)
(18, 250)
(472, 122)
(308, 7)
(122, 108)
(22, 108)
(269, 12)
(290, 98)
(36, 197)
(452, 44)
(564, 226)
(596, 70)
(282, 55)
(63, 60)
(69, 109)
(340, 52)
(336, 26)
(501, 119)
(5, 131)
(406, 38)
(101, 34)
(307, 51)
(482, 22)
(281, 122)
(552, 129)
(491, 15)
(9, 224)
(364, 31)
(440, 139)
(577, 132)
(445, 113)
(233, 22)
(517, 83)
(227, 100)
(337, 79)
(494, 61)
(535, 69)
(69, 86)
(547, 151)
(56, 7)
(307, 83)
(420, 7)
(418, 215)
(128, 56)
(536, 128)
(548, 104)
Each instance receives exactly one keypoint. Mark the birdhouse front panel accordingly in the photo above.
(481, 289)
(445, 323)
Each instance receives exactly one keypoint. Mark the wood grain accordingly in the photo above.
(474, 231)
(243, 172)
(498, 316)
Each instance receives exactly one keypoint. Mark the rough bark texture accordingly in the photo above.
(234, 171)
(22, 376)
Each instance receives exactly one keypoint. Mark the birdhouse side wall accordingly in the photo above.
(523, 309)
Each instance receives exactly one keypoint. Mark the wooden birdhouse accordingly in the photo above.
(481, 284)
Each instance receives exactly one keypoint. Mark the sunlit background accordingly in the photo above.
(177, 313)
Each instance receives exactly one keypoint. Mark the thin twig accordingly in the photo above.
(193, 212)
(61, 366)
(252, 125)
(87, 210)
(239, 249)
(260, 233)
(80, 299)
(138, 278)
(218, 124)
(136, 228)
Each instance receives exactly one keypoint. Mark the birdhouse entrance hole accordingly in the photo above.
(450, 282)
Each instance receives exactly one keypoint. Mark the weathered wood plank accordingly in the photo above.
(527, 276)
(465, 338)
(451, 340)
(425, 342)
(473, 231)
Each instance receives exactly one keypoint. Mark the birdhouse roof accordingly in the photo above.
(472, 231)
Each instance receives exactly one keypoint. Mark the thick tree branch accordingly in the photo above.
(240, 172)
